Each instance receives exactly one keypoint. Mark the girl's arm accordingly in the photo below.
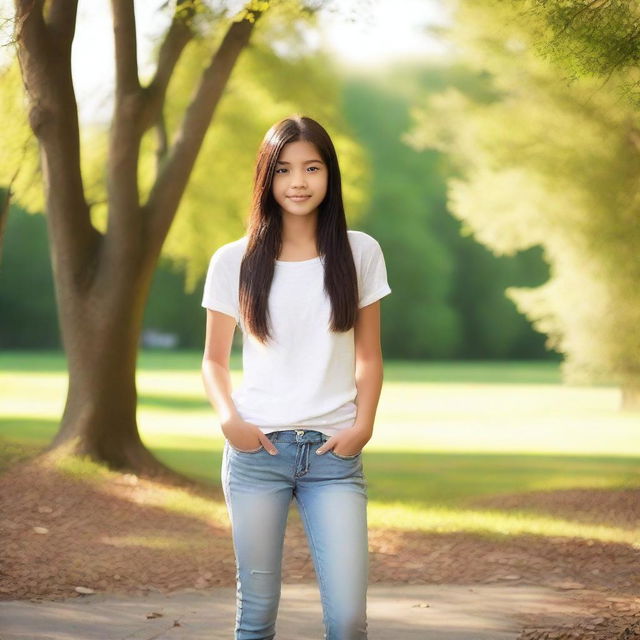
(368, 383)
(215, 364)
(369, 372)
(217, 383)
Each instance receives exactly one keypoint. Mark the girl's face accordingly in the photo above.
(300, 171)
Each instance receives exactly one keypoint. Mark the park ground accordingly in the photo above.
(484, 473)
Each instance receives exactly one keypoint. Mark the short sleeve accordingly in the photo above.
(374, 278)
(220, 287)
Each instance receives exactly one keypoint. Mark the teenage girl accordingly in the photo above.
(304, 290)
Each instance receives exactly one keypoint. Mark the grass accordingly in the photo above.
(446, 432)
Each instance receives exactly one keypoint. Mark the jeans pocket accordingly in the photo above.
(260, 448)
(337, 455)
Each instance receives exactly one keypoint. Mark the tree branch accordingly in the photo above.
(571, 21)
(123, 231)
(62, 21)
(172, 180)
(162, 143)
(30, 28)
(136, 109)
(124, 30)
(44, 53)
(178, 36)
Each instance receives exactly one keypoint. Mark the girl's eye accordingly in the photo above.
(284, 169)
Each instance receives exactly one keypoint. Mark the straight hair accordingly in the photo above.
(264, 231)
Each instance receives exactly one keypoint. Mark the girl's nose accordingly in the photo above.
(298, 178)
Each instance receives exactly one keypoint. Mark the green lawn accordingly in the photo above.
(445, 432)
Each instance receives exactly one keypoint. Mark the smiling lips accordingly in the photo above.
(298, 198)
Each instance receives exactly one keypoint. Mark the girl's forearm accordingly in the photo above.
(369, 376)
(217, 383)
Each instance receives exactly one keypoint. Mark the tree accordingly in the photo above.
(453, 285)
(597, 38)
(543, 163)
(102, 278)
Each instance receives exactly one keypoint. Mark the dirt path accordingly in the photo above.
(58, 534)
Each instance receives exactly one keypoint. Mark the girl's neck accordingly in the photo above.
(298, 252)
(298, 238)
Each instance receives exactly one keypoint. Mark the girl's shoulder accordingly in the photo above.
(231, 253)
(362, 244)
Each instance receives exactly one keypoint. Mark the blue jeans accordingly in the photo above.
(331, 496)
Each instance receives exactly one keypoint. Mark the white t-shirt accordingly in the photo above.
(304, 377)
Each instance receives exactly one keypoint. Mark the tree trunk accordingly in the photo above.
(630, 397)
(100, 329)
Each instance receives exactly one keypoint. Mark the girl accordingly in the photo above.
(304, 290)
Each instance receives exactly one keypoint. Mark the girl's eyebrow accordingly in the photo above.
(305, 162)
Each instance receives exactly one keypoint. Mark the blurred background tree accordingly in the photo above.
(543, 163)
(593, 38)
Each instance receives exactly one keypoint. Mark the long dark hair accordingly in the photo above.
(264, 231)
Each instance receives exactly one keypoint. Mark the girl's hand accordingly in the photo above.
(346, 443)
(246, 436)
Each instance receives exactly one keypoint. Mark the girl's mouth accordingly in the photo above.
(298, 198)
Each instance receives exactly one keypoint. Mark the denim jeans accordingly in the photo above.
(331, 497)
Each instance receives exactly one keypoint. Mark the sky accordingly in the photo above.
(380, 36)
(386, 33)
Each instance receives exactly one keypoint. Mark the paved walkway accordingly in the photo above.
(395, 612)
